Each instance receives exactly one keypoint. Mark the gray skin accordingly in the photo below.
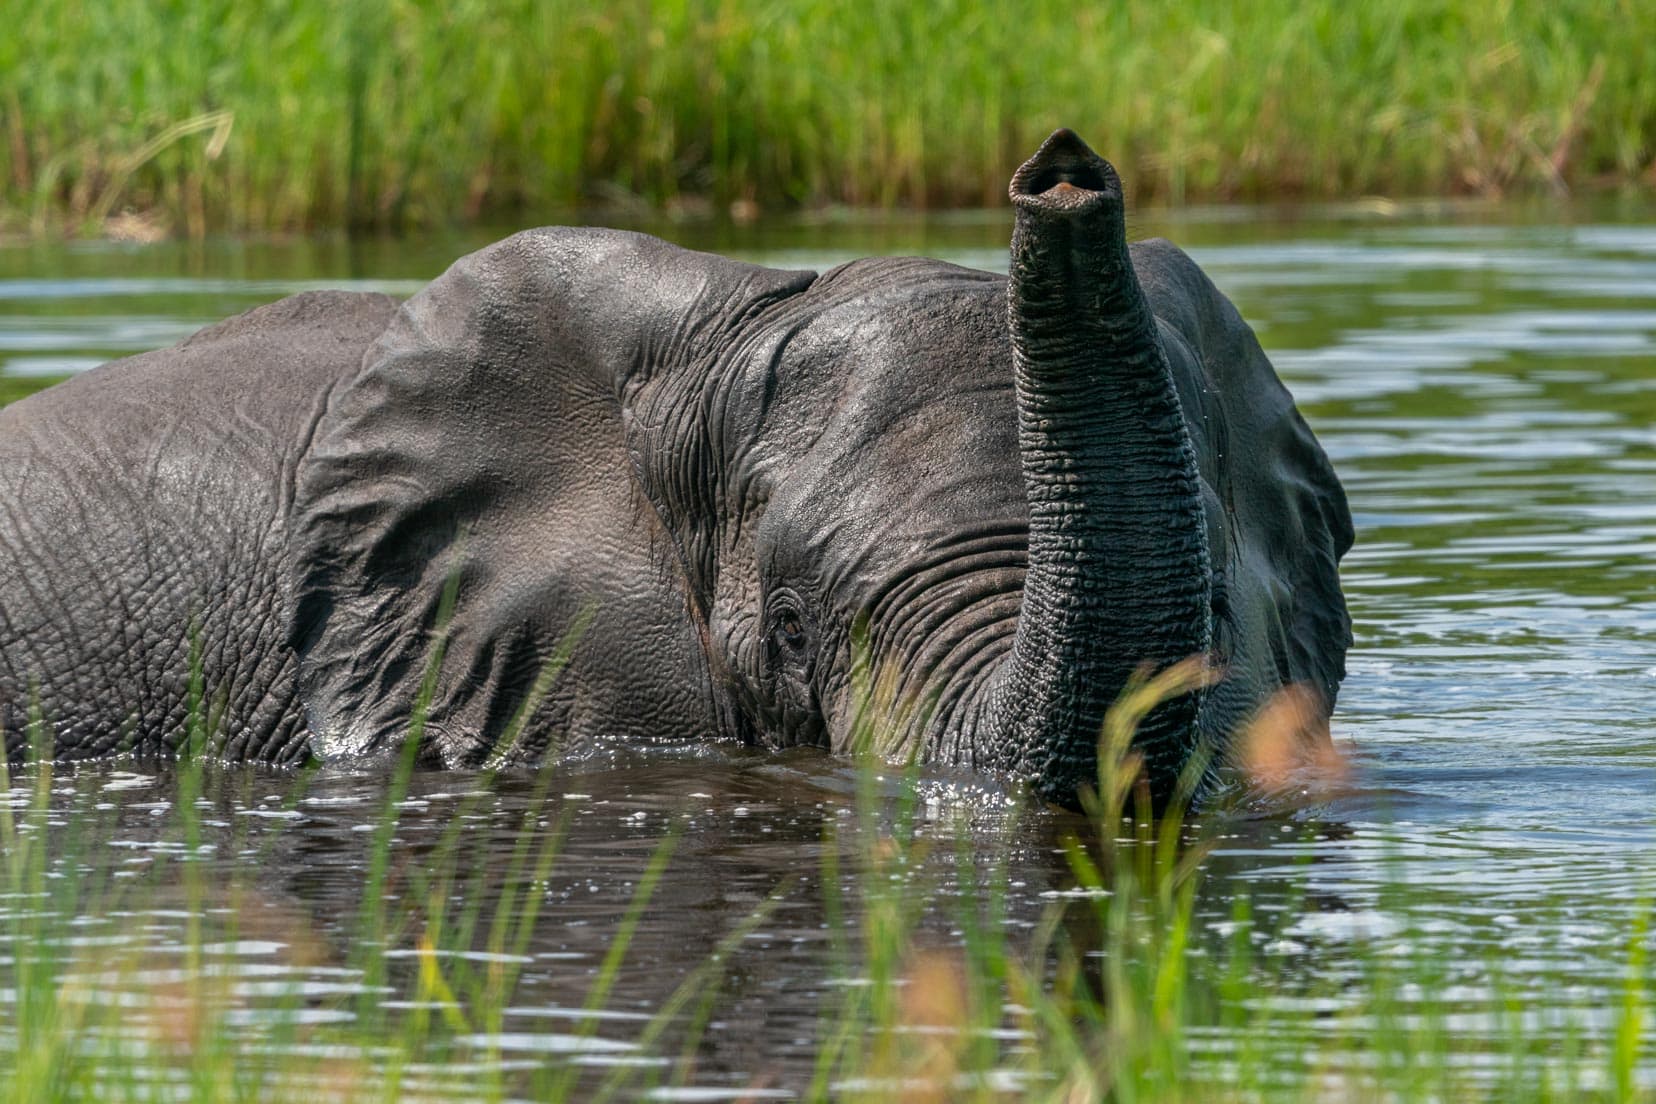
(760, 492)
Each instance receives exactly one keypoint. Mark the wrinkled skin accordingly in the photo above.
(756, 493)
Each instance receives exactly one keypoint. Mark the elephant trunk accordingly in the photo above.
(1118, 558)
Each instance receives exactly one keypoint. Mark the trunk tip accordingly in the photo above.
(1064, 173)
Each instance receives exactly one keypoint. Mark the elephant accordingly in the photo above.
(588, 487)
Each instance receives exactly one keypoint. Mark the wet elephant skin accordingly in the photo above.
(898, 503)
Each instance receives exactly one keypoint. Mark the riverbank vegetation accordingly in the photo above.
(12, 388)
(215, 116)
(173, 971)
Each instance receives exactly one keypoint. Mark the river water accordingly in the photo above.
(1484, 380)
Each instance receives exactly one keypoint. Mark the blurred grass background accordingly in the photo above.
(223, 115)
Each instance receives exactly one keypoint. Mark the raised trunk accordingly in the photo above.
(1118, 558)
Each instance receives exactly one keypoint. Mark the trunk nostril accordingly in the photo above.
(1070, 178)
(1064, 169)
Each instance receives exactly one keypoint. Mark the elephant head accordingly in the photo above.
(1001, 495)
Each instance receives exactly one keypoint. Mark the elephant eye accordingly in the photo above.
(793, 633)
(790, 630)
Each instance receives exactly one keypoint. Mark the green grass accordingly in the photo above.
(226, 116)
(13, 388)
(1125, 994)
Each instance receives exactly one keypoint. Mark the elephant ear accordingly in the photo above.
(1282, 518)
(480, 451)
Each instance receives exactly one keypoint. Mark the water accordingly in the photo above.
(1485, 382)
